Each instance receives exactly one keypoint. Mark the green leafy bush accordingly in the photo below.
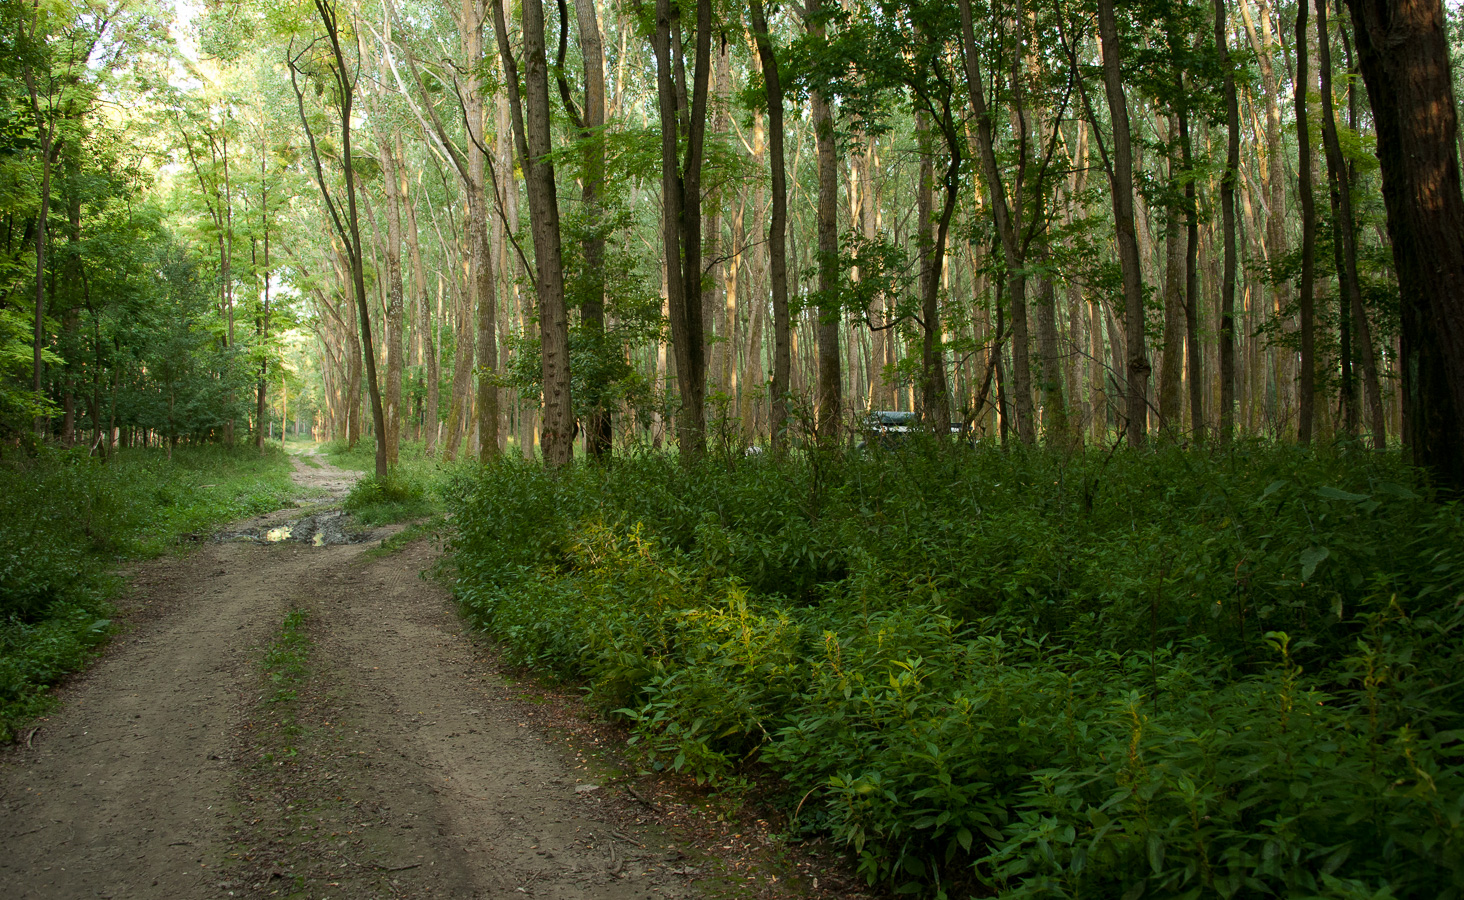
(1162, 673)
(396, 498)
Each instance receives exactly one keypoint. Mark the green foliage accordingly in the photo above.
(399, 496)
(64, 520)
(1165, 673)
(411, 489)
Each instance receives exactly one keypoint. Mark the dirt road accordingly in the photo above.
(398, 767)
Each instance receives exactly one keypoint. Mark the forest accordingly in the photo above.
(1019, 440)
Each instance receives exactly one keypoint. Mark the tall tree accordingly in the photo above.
(532, 136)
(777, 223)
(830, 381)
(1121, 176)
(682, 199)
(590, 123)
(1404, 56)
(1227, 213)
(1344, 229)
(1306, 382)
(347, 227)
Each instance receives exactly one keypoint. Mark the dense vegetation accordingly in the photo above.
(1228, 664)
(65, 522)
(1183, 674)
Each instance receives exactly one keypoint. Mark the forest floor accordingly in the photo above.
(384, 753)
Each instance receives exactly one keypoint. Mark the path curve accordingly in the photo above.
(417, 774)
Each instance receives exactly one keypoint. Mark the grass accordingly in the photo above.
(66, 520)
(412, 490)
(286, 666)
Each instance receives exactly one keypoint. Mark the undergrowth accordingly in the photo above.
(410, 491)
(1158, 673)
(67, 519)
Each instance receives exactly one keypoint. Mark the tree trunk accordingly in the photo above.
(264, 317)
(777, 230)
(1403, 52)
(1227, 210)
(532, 135)
(598, 432)
(1306, 385)
(1008, 229)
(45, 132)
(1172, 365)
(1345, 239)
(484, 291)
(424, 323)
(348, 230)
(830, 377)
(1137, 364)
(1264, 47)
(394, 308)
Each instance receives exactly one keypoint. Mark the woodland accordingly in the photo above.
(1158, 595)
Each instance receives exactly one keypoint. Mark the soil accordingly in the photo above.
(404, 762)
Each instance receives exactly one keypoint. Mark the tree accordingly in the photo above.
(347, 226)
(777, 221)
(1404, 58)
(1120, 174)
(682, 198)
(531, 125)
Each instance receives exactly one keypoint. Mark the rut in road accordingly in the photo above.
(411, 773)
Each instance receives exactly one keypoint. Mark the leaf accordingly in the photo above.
(1331, 493)
(1311, 557)
(1272, 488)
(1156, 853)
(1336, 859)
(1397, 490)
(1136, 890)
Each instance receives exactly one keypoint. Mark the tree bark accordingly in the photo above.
(1137, 363)
(424, 323)
(777, 230)
(830, 376)
(394, 308)
(532, 130)
(681, 195)
(1403, 52)
(1172, 365)
(348, 229)
(1306, 383)
(1345, 239)
(598, 433)
(1008, 228)
(1227, 212)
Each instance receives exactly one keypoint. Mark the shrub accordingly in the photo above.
(1159, 673)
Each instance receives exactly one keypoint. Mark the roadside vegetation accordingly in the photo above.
(411, 490)
(1161, 673)
(66, 520)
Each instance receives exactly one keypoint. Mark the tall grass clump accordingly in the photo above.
(1159, 673)
(411, 490)
(65, 521)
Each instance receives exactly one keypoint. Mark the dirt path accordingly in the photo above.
(397, 769)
